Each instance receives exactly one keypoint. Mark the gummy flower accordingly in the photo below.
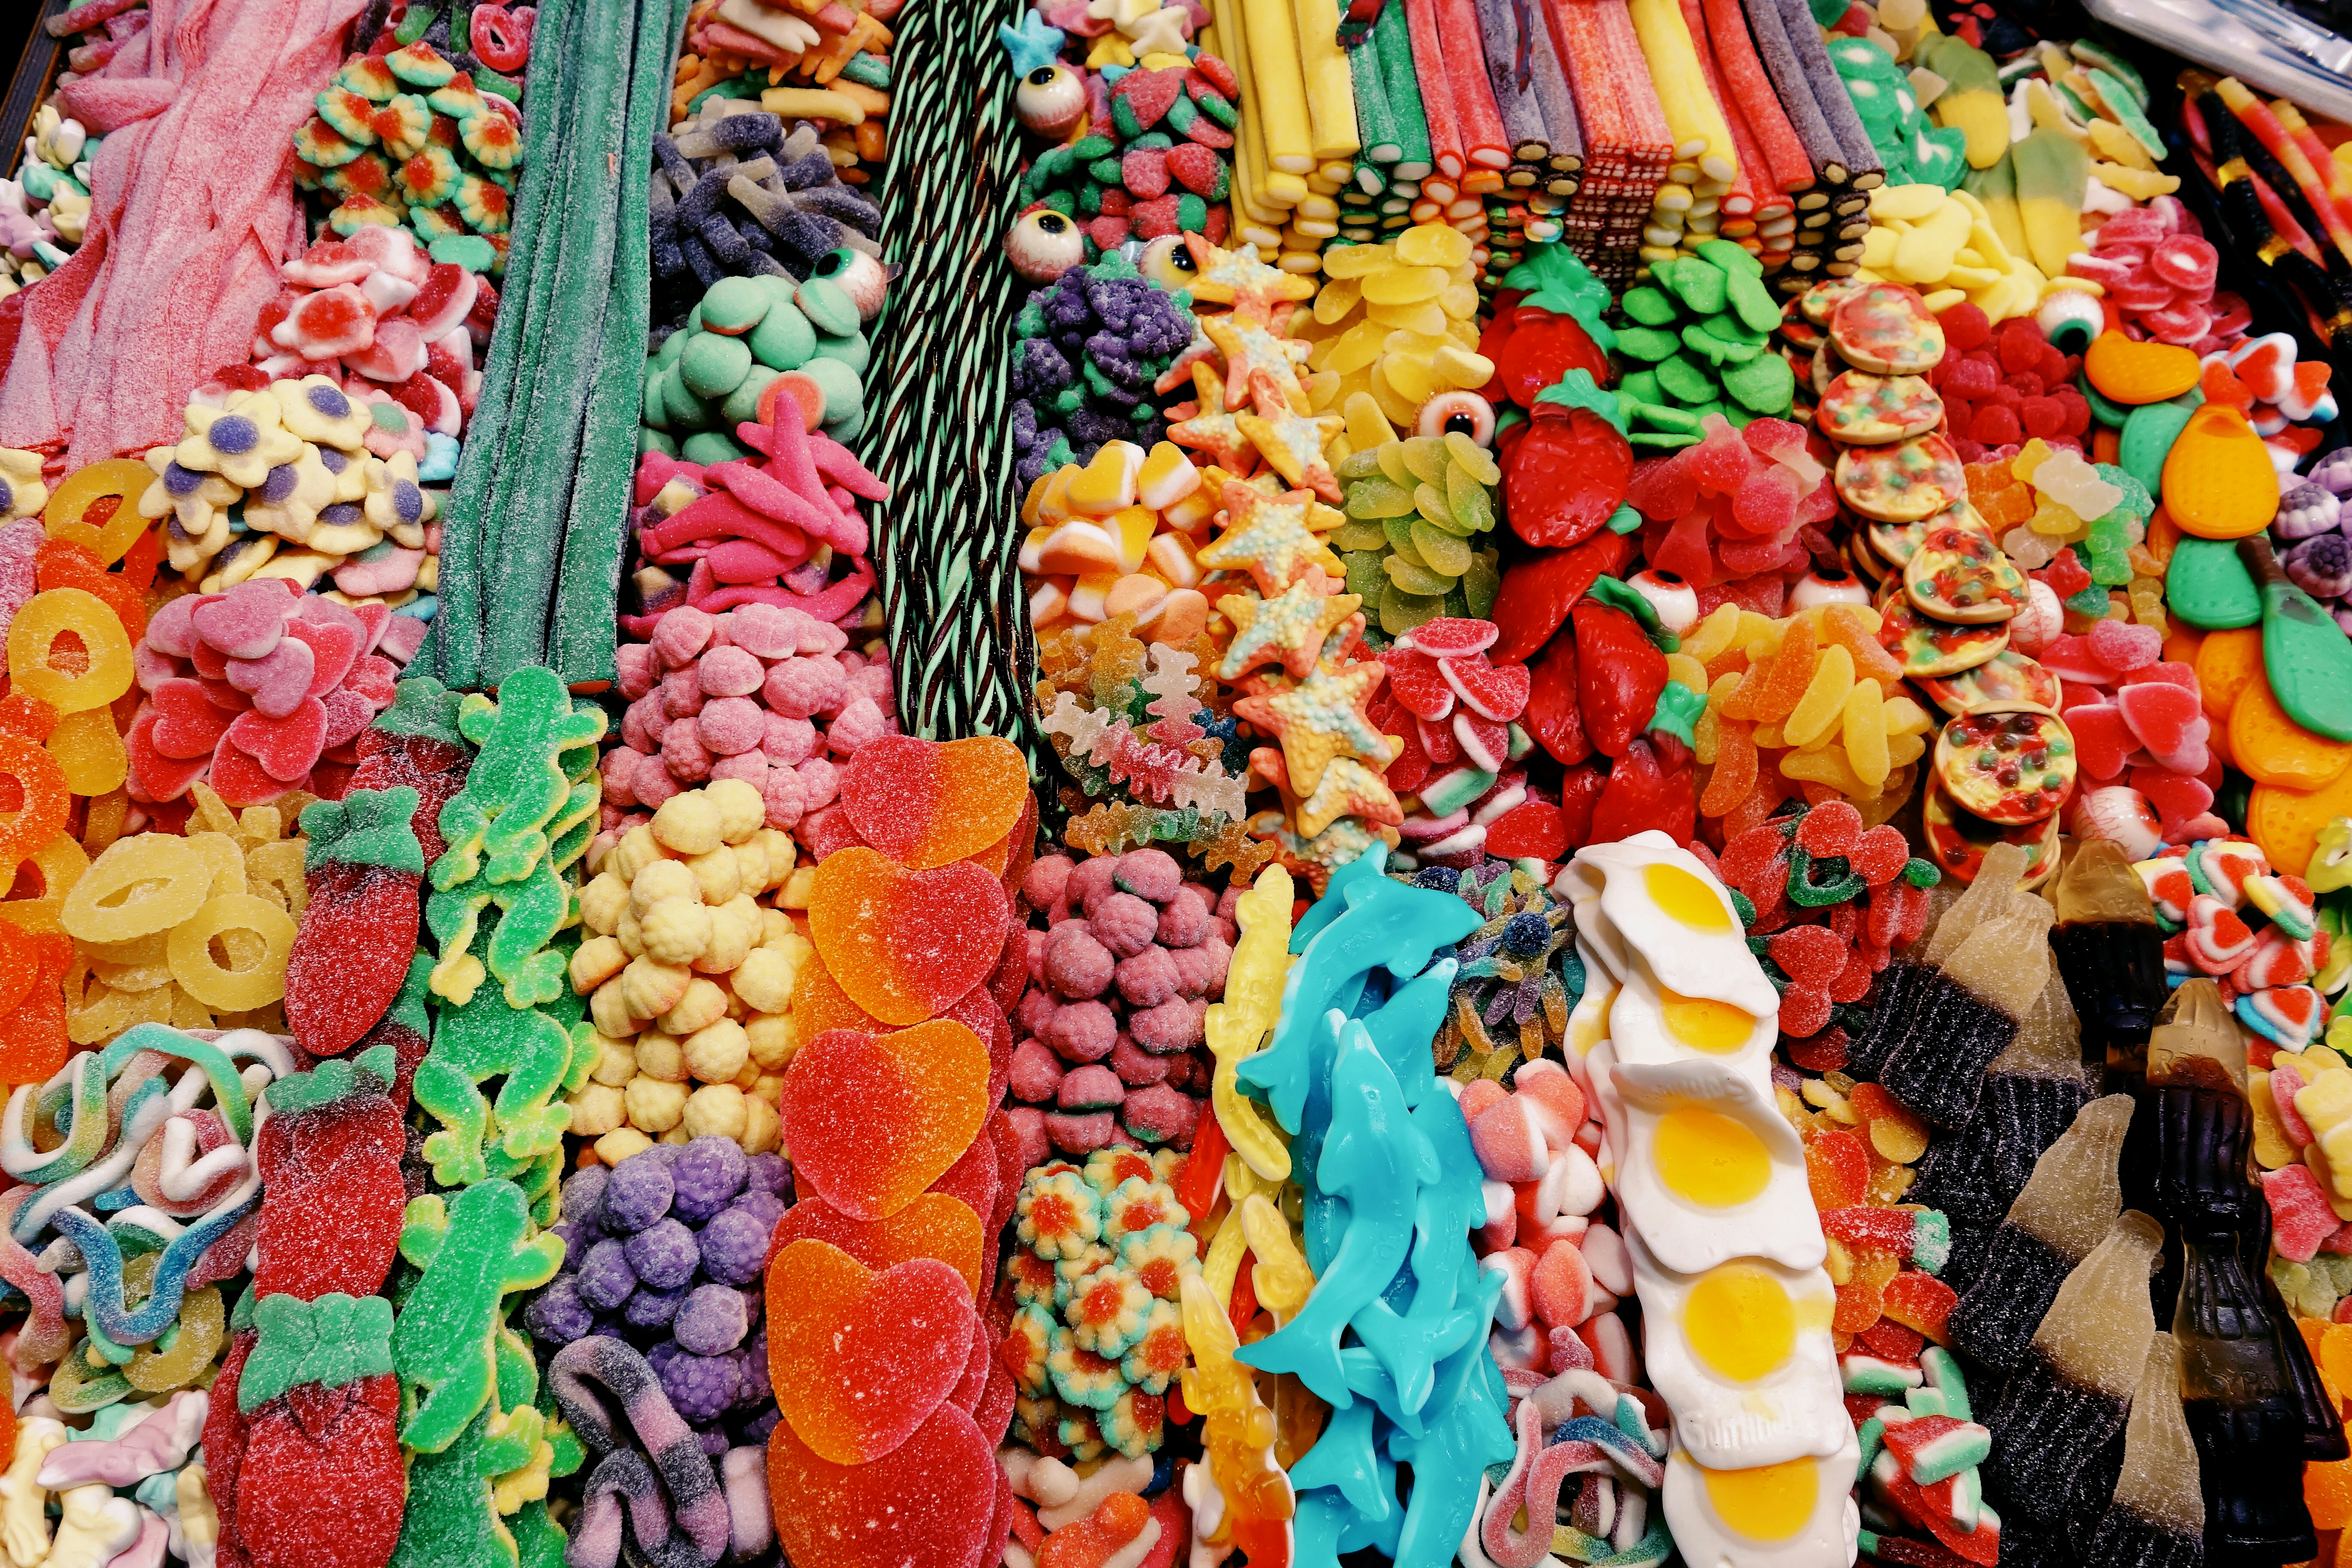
(457, 97)
(1108, 1309)
(350, 472)
(241, 442)
(369, 174)
(349, 114)
(289, 498)
(1082, 1435)
(1139, 1205)
(436, 223)
(369, 77)
(343, 529)
(486, 207)
(396, 503)
(1026, 1344)
(1080, 1375)
(1035, 1281)
(420, 65)
(195, 500)
(491, 138)
(1135, 1424)
(1106, 1168)
(318, 410)
(1159, 1352)
(1059, 1214)
(317, 142)
(1075, 1265)
(428, 177)
(1034, 1419)
(1160, 1256)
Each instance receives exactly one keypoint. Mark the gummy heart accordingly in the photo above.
(154, 776)
(348, 714)
(334, 646)
(279, 681)
(187, 724)
(2102, 740)
(2177, 797)
(1496, 692)
(2169, 721)
(861, 1359)
(921, 1511)
(2218, 941)
(286, 748)
(924, 802)
(934, 1225)
(244, 622)
(240, 779)
(904, 944)
(873, 1120)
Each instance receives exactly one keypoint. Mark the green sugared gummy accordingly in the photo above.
(710, 446)
(652, 440)
(1764, 383)
(711, 365)
(852, 351)
(845, 392)
(743, 404)
(1729, 258)
(1665, 417)
(470, 251)
(1684, 381)
(1699, 285)
(783, 339)
(1647, 343)
(1751, 302)
(1660, 441)
(733, 306)
(828, 307)
(1639, 386)
(1648, 307)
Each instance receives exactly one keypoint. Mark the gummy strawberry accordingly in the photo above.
(1539, 591)
(1644, 792)
(1567, 477)
(1619, 673)
(1543, 346)
(1552, 714)
(330, 1160)
(364, 868)
(415, 741)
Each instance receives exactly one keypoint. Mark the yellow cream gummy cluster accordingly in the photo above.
(688, 977)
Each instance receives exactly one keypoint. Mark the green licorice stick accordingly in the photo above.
(588, 579)
(1404, 87)
(2304, 653)
(534, 506)
(455, 645)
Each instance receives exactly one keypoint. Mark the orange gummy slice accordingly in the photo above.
(873, 1120)
(42, 798)
(861, 1359)
(1841, 627)
(1091, 1541)
(904, 944)
(934, 1225)
(1791, 671)
(926, 803)
(1735, 768)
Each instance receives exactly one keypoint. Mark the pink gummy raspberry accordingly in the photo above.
(1080, 1133)
(1048, 875)
(681, 634)
(858, 722)
(750, 767)
(1090, 1087)
(1037, 1071)
(787, 742)
(1092, 881)
(1082, 1032)
(1139, 1069)
(1035, 1012)
(1183, 922)
(764, 631)
(730, 725)
(803, 688)
(681, 694)
(683, 753)
(1161, 1115)
(874, 680)
(1077, 965)
(1123, 924)
(637, 673)
(1150, 874)
(1173, 1026)
(643, 721)
(1196, 969)
(728, 672)
(785, 796)
(820, 782)
(618, 767)
(653, 785)
(1148, 978)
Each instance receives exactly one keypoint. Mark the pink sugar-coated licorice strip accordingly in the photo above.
(1576, 40)
(831, 604)
(1646, 118)
(1485, 141)
(716, 515)
(1743, 75)
(45, 1338)
(83, 18)
(655, 470)
(764, 494)
(1436, 88)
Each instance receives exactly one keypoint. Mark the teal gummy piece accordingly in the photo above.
(2148, 432)
(1344, 1460)
(1369, 866)
(1377, 1161)
(1925, 1402)
(1873, 1436)
(1468, 1432)
(1408, 1345)
(1387, 924)
(1402, 1028)
(2105, 411)
(1327, 1524)
(2215, 593)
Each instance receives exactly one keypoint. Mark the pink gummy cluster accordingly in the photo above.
(2249, 929)
(2003, 385)
(385, 322)
(1731, 505)
(2139, 727)
(740, 695)
(1462, 704)
(2157, 268)
(260, 690)
(1110, 1032)
(768, 532)
(1565, 1269)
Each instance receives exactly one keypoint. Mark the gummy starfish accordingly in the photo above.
(1252, 350)
(1160, 32)
(1292, 440)
(1269, 537)
(1322, 717)
(1237, 277)
(1213, 431)
(1288, 628)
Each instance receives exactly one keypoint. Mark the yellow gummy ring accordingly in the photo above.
(59, 865)
(124, 478)
(258, 979)
(141, 885)
(32, 644)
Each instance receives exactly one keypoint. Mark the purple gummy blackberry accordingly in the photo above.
(664, 1253)
(605, 1277)
(560, 1316)
(765, 1207)
(702, 1388)
(714, 1443)
(767, 1173)
(711, 1321)
(652, 1308)
(758, 1428)
(583, 1192)
(639, 1192)
(707, 1175)
(735, 1245)
(2320, 566)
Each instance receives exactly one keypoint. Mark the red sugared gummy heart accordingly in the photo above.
(286, 748)
(926, 1508)
(873, 1120)
(187, 724)
(2102, 740)
(2169, 721)
(924, 803)
(860, 1360)
(240, 779)
(904, 944)
(1810, 955)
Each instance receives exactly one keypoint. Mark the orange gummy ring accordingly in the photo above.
(42, 816)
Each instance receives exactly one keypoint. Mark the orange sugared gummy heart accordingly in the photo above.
(873, 1120)
(820, 1004)
(925, 802)
(860, 1359)
(904, 944)
(925, 1509)
(934, 1225)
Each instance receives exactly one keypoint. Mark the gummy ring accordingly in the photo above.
(122, 478)
(203, 1325)
(500, 38)
(61, 864)
(106, 672)
(42, 816)
(1438, 413)
(249, 984)
(138, 887)
(2010, 764)
(80, 1388)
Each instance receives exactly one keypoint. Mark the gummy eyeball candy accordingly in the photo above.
(1043, 245)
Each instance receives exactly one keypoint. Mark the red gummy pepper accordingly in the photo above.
(1619, 673)
(1646, 790)
(1539, 591)
(1568, 475)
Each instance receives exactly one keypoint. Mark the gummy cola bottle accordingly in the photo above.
(2108, 948)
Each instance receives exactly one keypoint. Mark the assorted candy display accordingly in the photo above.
(1654, 865)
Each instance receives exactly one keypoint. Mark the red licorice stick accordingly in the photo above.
(2256, 116)
(1485, 142)
(83, 18)
(1743, 73)
(1740, 200)
(1646, 117)
(1436, 88)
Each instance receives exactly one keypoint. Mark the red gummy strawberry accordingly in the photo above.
(1144, 171)
(1195, 167)
(1493, 691)
(1418, 682)
(1534, 830)
(1542, 348)
(359, 929)
(414, 741)
(1568, 475)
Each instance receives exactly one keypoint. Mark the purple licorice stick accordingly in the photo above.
(1766, 24)
(1856, 151)
(677, 1453)
(1510, 71)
